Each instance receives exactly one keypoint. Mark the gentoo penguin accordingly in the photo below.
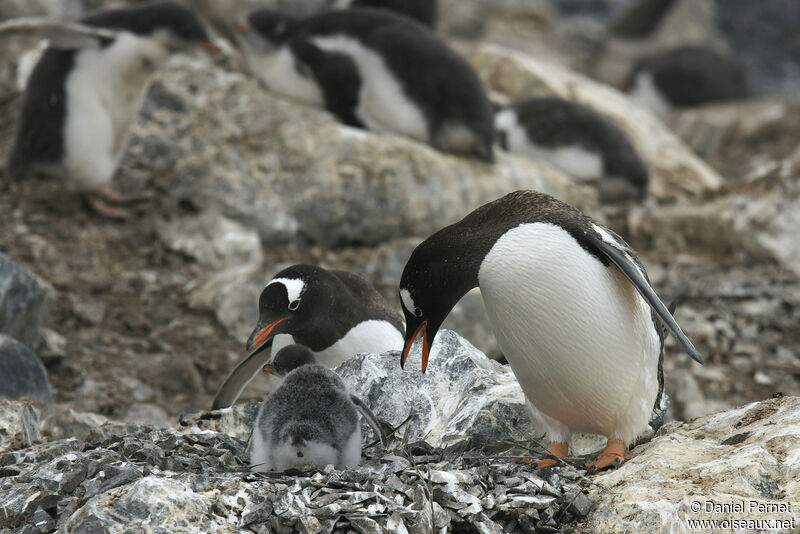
(375, 69)
(576, 139)
(311, 419)
(686, 76)
(423, 11)
(570, 305)
(84, 93)
(336, 314)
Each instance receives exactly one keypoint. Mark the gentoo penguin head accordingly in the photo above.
(270, 29)
(290, 304)
(172, 24)
(290, 358)
(429, 287)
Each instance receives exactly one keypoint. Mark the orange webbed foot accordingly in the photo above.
(557, 449)
(611, 458)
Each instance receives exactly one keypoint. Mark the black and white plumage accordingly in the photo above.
(570, 305)
(576, 139)
(336, 314)
(311, 419)
(686, 76)
(87, 87)
(374, 69)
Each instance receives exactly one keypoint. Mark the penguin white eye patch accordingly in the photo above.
(294, 289)
(408, 302)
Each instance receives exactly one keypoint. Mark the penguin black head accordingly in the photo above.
(291, 303)
(179, 24)
(429, 288)
(271, 26)
(290, 358)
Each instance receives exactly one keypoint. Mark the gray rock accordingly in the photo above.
(23, 373)
(243, 153)
(448, 403)
(24, 302)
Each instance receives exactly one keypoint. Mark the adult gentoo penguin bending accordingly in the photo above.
(570, 305)
(336, 314)
(576, 139)
(375, 69)
(86, 90)
(311, 419)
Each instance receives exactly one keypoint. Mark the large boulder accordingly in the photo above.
(24, 302)
(22, 372)
(739, 465)
(674, 170)
(220, 142)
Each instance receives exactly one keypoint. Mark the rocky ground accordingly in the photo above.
(147, 316)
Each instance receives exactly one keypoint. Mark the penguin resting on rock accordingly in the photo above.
(87, 88)
(336, 314)
(311, 419)
(577, 140)
(686, 76)
(374, 69)
(571, 307)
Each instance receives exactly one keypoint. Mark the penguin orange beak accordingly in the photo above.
(211, 47)
(243, 28)
(425, 346)
(259, 337)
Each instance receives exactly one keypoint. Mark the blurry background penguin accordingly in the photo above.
(576, 139)
(311, 419)
(86, 89)
(374, 69)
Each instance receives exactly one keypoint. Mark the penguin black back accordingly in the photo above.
(40, 136)
(148, 18)
(555, 122)
(692, 75)
(423, 11)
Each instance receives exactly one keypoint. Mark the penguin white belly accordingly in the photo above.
(574, 160)
(367, 336)
(104, 92)
(645, 93)
(260, 450)
(577, 334)
(285, 456)
(278, 70)
(382, 104)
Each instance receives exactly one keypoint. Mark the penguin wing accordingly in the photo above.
(64, 35)
(241, 375)
(623, 257)
(370, 418)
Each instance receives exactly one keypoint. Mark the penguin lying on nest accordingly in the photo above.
(576, 139)
(374, 69)
(311, 419)
(86, 89)
(570, 305)
(336, 314)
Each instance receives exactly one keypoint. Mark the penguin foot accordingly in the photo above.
(118, 198)
(112, 212)
(611, 458)
(556, 448)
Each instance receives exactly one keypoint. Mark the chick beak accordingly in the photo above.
(211, 47)
(243, 27)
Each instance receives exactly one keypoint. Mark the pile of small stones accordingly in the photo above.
(102, 485)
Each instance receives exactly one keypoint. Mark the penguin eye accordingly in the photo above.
(417, 312)
(294, 304)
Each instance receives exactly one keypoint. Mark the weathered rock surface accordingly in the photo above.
(235, 149)
(745, 455)
(24, 302)
(675, 170)
(22, 372)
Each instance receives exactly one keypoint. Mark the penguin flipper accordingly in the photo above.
(369, 417)
(241, 375)
(622, 258)
(64, 35)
